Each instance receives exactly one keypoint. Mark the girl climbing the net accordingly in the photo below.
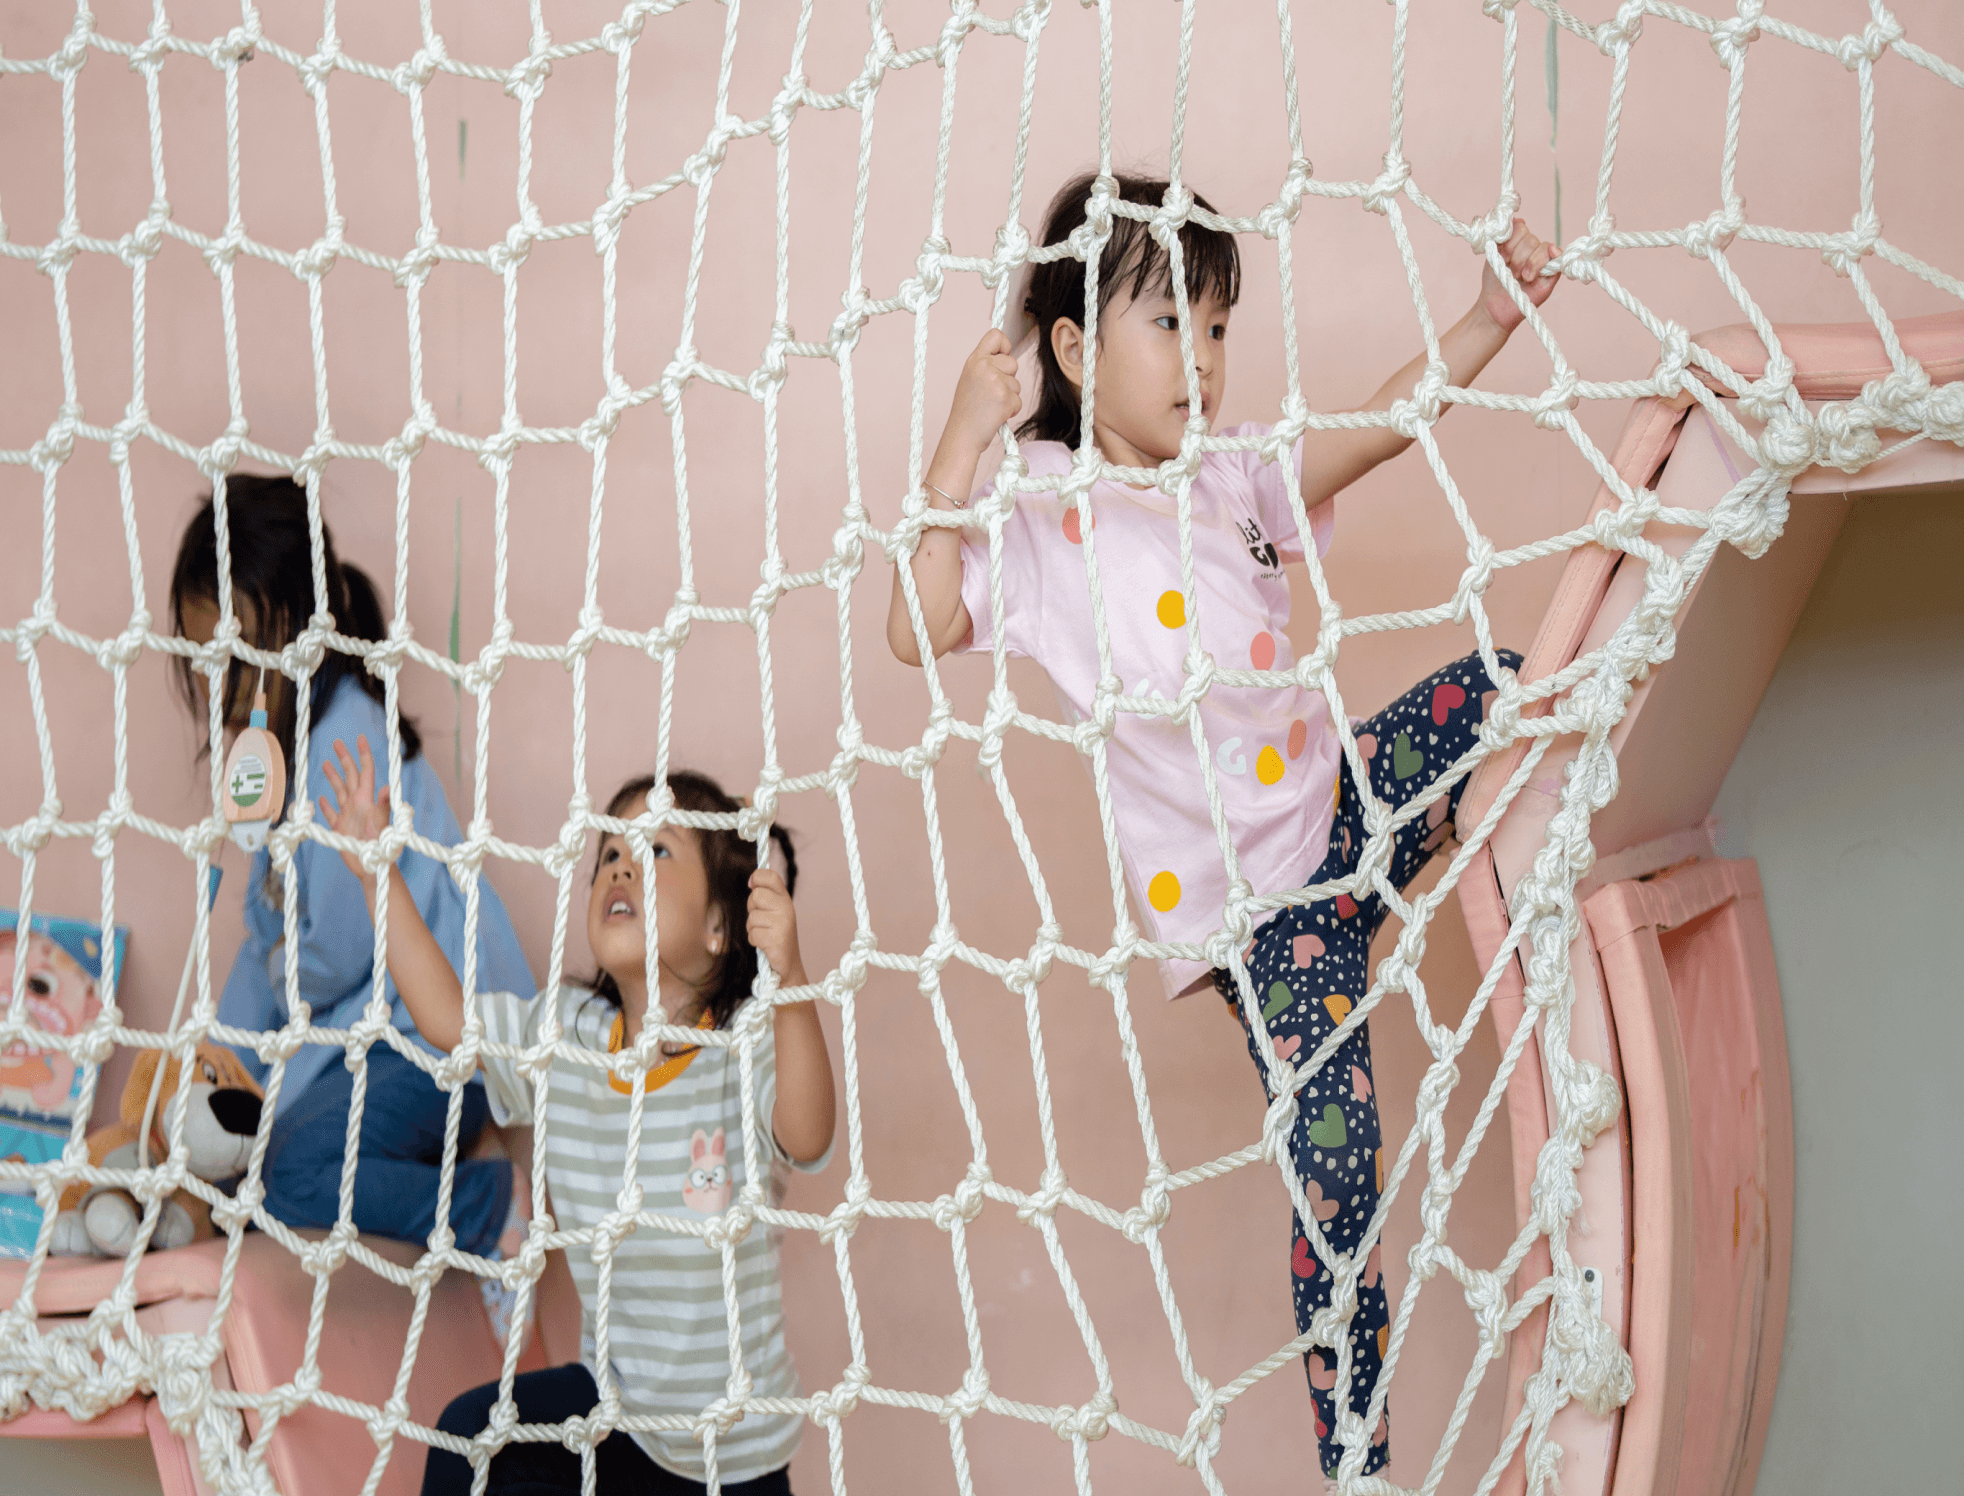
(662, 1333)
(1293, 814)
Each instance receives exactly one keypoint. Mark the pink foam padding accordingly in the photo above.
(1834, 360)
(75, 1285)
(314, 1451)
(317, 1452)
(1689, 967)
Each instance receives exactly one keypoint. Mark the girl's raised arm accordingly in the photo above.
(423, 975)
(1333, 460)
(802, 1119)
(987, 395)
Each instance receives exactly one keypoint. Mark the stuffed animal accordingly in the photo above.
(221, 1117)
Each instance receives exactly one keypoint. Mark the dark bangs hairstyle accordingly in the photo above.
(727, 861)
(1132, 261)
(273, 577)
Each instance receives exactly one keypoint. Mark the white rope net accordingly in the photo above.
(89, 1365)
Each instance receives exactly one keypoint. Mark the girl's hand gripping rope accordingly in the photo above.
(1525, 255)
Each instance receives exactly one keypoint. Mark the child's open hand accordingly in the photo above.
(772, 925)
(1523, 254)
(364, 805)
(987, 395)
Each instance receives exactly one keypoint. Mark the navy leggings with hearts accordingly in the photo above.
(1310, 967)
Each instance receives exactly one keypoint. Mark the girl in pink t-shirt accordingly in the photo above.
(1293, 819)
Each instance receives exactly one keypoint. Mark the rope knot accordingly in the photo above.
(1674, 357)
(529, 77)
(1732, 36)
(1552, 407)
(1786, 446)
(837, 1402)
(1421, 408)
(922, 289)
(1845, 251)
(223, 454)
(705, 163)
(73, 53)
(1090, 1422)
(1593, 1366)
(1288, 202)
(784, 108)
(142, 242)
(606, 418)
(1203, 1427)
(1877, 37)
(516, 247)
(417, 72)
(729, 1228)
(1390, 182)
(966, 1202)
(1155, 1207)
(1176, 206)
(58, 445)
(1714, 234)
(970, 1399)
(1845, 438)
(1043, 1204)
(1478, 576)
(1012, 249)
(607, 221)
(1615, 37)
(681, 372)
(776, 365)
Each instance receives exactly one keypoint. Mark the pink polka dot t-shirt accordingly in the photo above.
(1274, 753)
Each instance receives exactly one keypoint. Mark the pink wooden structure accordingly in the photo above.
(1687, 1213)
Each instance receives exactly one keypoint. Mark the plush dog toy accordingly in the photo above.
(221, 1116)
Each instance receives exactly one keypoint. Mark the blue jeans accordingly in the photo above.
(1310, 967)
(400, 1161)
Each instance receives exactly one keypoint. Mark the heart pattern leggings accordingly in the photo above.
(1310, 968)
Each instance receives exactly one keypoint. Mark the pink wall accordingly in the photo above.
(1395, 547)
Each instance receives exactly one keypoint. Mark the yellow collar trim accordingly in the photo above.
(663, 1073)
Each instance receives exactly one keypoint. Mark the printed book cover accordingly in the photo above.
(61, 979)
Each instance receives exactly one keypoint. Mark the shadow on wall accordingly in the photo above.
(1845, 793)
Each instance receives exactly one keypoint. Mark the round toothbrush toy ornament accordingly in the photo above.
(255, 780)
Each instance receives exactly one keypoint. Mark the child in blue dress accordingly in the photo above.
(403, 1113)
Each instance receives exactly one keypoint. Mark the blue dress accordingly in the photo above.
(403, 1114)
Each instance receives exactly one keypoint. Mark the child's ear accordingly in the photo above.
(714, 937)
(1067, 343)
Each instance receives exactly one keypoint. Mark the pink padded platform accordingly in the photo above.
(1687, 1214)
(313, 1451)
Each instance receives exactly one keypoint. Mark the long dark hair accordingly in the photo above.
(727, 862)
(1132, 260)
(273, 571)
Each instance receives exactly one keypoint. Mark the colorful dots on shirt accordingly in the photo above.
(1172, 609)
(1074, 526)
(1338, 1007)
(1261, 653)
(1163, 893)
(1268, 766)
(1298, 737)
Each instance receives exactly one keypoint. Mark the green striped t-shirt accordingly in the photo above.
(668, 1333)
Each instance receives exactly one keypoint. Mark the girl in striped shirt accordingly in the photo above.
(661, 1340)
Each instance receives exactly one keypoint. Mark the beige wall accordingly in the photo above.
(1843, 792)
(1395, 547)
